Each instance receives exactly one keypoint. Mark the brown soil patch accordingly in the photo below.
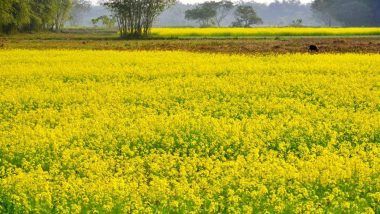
(242, 46)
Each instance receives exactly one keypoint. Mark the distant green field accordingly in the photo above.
(265, 31)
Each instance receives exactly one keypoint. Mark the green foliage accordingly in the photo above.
(202, 14)
(221, 8)
(36, 15)
(13, 15)
(210, 13)
(348, 12)
(246, 16)
(296, 23)
(135, 17)
(106, 21)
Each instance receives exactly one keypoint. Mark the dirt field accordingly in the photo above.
(109, 41)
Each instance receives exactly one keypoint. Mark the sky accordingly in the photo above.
(197, 1)
(260, 1)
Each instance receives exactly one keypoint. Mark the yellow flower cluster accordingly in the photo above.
(263, 31)
(177, 132)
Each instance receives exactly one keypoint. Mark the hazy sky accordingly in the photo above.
(196, 1)
(261, 1)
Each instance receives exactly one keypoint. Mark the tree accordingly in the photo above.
(348, 12)
(222, 9)
(33, 15)
(14, 14)
(246, 16)
(321, 9)
(79, 7)
(376, 16)
(61, 13)
(42, 15)
(210, 12)
(106, 21)
(353, 13)
(135, 17)
(203, 14)
(296, 23)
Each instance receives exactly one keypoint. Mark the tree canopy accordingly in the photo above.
(77, 12)
(36, 15)
(246, 16)
(135, 17)
(106, 21)
(210, 13)
(348, 12)
(202, 14)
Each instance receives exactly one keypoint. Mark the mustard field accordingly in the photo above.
(265, 31)
(177, 132)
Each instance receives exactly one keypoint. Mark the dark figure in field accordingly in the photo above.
(313, 48)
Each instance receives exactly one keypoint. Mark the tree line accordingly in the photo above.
(212, 13)
(348, 12)
(134, 18)
(38, 15)
(330, 12)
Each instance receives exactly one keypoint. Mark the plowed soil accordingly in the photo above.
(243, 46)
